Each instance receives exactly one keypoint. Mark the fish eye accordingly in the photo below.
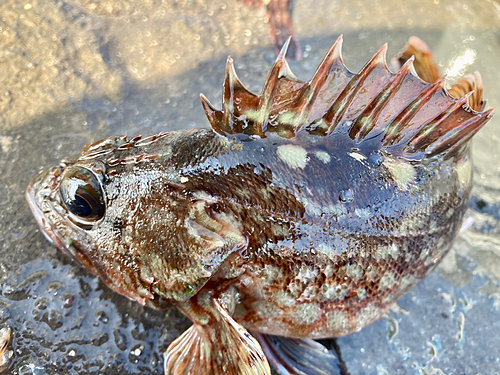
(82, 194)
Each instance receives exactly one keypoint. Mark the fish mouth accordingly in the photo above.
(42, 198)
(32, 196)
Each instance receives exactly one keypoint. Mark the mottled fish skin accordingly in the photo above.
(288, 226)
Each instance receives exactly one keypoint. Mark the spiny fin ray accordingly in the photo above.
(470, 83)
(402, 121)
(366, 122)
(411, 116)
(336, 112)
(320, 78)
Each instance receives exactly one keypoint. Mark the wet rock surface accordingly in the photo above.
(75, 71)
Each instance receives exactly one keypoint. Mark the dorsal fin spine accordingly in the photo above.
(279, 69)
(319, 78)
(228, 97)
(368, 119)
(337, 110)
(460, 135)
(287, 105)
(211, 113)
(403, 119)
(232, 89)
(422, 137)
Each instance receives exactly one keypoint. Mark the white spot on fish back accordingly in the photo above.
(357, 156)
(284, 298)
(413, 222)
(272, 273)
(402, 172)
(247, 281)
(323, 156)
(267, 309)
(371, 273)
(353, 271)
(309, 293)
(328, 271)
(294, 156)
(295, 288)
(361, 293)
(325, 250)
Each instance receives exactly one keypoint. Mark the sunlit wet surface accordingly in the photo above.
(76, 71)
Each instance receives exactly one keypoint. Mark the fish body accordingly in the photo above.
(305, 212)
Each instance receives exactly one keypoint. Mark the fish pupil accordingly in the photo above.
(80, 206)
(82, 194)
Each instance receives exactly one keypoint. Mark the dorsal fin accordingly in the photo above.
(365, 123)
(393, 131)
(471, 83)
(425, 64)
(337, 111)
(405, 114)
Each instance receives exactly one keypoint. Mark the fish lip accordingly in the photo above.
(42, 222)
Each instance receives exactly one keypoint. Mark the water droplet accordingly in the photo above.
(375, 159)
(346, 196)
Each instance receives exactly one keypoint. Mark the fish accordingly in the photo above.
(302, 213)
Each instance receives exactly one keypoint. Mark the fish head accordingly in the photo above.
(125, 214)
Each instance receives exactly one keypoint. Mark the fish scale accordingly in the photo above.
(305, 212)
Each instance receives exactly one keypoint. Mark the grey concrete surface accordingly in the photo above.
(72, 71)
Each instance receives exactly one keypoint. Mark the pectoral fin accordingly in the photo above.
(290, 356)
(221, 346)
